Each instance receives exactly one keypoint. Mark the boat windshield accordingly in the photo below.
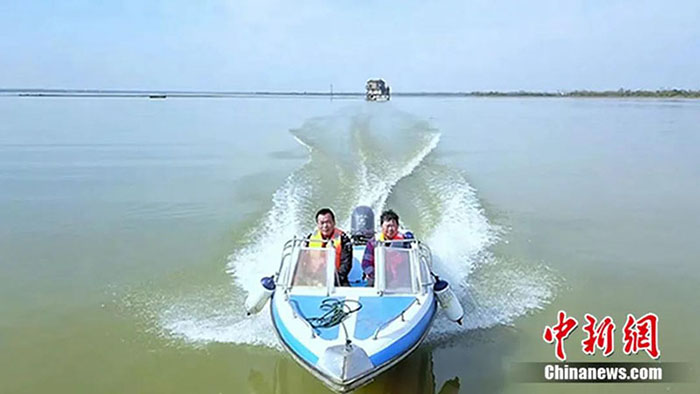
(397, 263)
(311, 267)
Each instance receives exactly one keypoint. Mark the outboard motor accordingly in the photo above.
(362, 224)
(257, 298)
(448, 301)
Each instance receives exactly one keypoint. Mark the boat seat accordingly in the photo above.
(355, 275)
(377, 311)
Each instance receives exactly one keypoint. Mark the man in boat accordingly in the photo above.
(389, 221)
(325, 232)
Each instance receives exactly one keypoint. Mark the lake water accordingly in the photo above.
(131, 229)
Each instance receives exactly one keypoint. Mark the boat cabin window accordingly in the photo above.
(397, 268)
(311, 267)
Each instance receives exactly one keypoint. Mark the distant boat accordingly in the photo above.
(377, 90)
(156, 96)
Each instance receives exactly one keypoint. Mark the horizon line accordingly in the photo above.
(156, 93)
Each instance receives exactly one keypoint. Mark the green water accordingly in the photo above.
(121, 221)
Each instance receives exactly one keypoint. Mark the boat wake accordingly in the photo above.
(384, 158)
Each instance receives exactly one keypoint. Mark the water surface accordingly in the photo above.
(130, 231)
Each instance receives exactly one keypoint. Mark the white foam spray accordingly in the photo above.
(367, 154)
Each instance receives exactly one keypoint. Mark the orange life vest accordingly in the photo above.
(335, 238)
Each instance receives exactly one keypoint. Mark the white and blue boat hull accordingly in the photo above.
(383, 332)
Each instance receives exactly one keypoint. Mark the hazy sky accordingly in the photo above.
(307, 45)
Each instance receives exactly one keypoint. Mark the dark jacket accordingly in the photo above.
(345, 260)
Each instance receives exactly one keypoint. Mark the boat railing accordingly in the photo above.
(426, 260)
(401, 315)
(296, 313)
(423, 265)
(426, 255)
(396, 241)
(287, 252)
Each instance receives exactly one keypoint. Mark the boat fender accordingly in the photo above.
(258, 297)
(448, 301)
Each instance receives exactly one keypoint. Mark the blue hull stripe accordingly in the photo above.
(291, 341)
(407, 341)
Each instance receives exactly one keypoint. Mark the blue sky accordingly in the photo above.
(308, 45)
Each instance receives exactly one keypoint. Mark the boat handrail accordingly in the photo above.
(391, 241)
(297, 313)
(426, 255)
(288, 249)
(401, 315)
(286, 252)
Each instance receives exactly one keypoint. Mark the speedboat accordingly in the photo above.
(348, 335)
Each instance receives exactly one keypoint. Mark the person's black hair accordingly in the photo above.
(387, 216)
(325, 211)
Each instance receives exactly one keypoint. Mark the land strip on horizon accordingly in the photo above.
(155, 94)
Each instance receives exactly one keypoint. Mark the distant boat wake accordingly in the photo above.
(381, 157)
